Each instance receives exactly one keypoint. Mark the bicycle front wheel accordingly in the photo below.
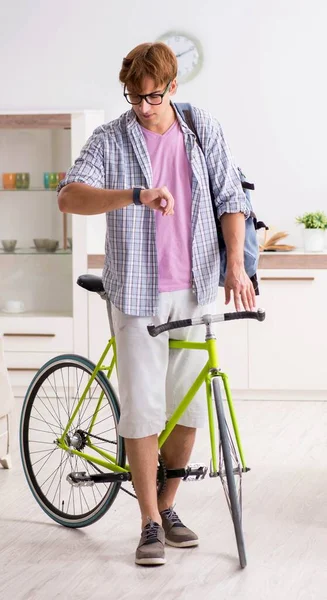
(49, 404)
(230, 472)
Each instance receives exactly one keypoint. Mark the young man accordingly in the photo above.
(146, 171)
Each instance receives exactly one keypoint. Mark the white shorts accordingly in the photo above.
(152, 379)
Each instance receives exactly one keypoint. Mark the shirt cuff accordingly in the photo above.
(233, 206)
(73, 179)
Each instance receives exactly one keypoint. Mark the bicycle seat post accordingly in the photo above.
(207, 320)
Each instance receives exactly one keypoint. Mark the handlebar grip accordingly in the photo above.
(259, 315)
(154, 331)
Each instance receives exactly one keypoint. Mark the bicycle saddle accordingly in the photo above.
(92, 283)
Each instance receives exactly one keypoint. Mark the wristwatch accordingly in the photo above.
(136, 196)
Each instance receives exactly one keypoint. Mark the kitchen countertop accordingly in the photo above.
(296, 259)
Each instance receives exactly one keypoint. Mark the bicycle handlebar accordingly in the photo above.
(259, 315)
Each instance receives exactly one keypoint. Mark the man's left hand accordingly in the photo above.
(238, 282)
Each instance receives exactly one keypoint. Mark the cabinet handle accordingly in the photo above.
(23, 368)
(29, 335)
(287, 278)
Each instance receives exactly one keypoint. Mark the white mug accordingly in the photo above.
(14, 306)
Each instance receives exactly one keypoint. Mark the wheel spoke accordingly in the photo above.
(50, 405)
(85, 407)
(44, 421)
(52, 477)
(49, 411)
(82, 421)
(237, 470)
(45, 458)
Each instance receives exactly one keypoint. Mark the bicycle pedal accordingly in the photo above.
(79, 479)
(195, 472)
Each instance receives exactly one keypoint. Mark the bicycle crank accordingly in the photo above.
(81, 478)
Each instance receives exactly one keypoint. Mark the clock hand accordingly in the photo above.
(185, 52)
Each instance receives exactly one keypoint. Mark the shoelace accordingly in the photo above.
(170, 514)
(151, 532)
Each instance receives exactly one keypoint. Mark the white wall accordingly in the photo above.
(263, 77)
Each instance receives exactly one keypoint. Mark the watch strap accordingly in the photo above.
(136, 196)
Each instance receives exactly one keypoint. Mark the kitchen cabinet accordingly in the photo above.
(43, 283)
(288, 352)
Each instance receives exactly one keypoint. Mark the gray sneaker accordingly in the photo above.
(151, 549)
(177, 534)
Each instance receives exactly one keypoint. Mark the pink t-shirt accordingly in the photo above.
(170, 167)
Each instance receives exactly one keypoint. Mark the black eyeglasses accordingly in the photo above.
(155, 98)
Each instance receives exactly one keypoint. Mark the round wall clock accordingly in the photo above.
(188, 51)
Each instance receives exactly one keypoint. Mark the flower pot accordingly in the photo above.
(314, 240)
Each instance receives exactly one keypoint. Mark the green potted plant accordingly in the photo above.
(315, 224)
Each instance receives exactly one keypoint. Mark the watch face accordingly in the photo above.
(188, 52)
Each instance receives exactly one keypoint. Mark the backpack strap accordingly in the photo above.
(247, 186)
(184, 110)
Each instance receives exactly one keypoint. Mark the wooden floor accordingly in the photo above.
(285, 523)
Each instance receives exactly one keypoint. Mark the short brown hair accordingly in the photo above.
(155, 60)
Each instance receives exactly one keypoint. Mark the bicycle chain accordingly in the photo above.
(161, 473)
(85, 433)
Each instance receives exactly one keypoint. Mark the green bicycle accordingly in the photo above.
(73, 457)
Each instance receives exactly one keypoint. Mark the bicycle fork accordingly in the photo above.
(214, 372)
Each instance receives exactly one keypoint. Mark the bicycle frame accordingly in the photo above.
(209, 371)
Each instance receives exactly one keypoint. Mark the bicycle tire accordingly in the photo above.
(224, 439)
(40, 400)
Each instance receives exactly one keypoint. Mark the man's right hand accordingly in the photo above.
(158, 199)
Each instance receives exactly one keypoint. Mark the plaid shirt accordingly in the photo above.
(116, 157)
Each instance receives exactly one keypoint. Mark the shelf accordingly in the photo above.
(292, 260)
(34, 189)
(35, 121)
(33, 251)
(35, 313)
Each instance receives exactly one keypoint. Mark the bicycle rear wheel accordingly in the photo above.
(49, 403)
(230, 472)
